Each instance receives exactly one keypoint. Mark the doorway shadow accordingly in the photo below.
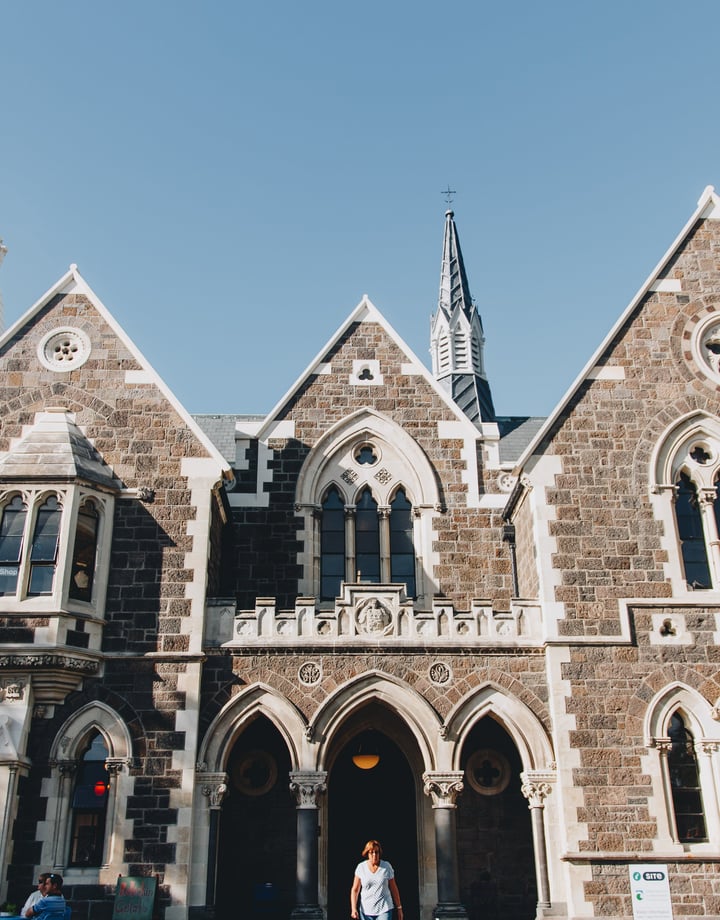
(377, 803)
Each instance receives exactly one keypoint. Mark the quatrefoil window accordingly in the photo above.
(366, 454)
(700, 454)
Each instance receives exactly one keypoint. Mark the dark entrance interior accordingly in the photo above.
(379, 803)
(495, 849)
(258, 829)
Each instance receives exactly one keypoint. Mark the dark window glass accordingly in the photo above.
(12, 528)
(402, 552)
(89, 806)
(84, 551)
(332, 545)
(685, 783)
(43, 552)
(367, 539)
(690, 533)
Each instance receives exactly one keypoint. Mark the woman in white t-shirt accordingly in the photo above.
(374, 893)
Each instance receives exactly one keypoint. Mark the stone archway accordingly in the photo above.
(257, 835)
(494, 830)
(381, 803)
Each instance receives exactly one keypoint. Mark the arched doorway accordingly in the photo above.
(495, 846)
(258, 829)
(378, 803)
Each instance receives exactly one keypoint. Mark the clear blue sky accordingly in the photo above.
(231, 177)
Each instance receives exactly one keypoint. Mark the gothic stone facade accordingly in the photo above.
(205, 621)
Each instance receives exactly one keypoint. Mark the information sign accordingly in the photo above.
(134, 897)
(650, 890)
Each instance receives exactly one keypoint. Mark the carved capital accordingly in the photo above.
(66, 767)
(214, 787)
(443, 788)
(307, 786)
(663, 745)
(537, 786)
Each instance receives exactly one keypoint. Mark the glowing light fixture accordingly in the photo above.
(366, 757)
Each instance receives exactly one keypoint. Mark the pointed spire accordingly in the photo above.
(457, 338)
(454, 289)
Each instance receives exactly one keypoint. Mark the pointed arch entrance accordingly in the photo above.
(495, 841)
(382, 802)
(257, 834)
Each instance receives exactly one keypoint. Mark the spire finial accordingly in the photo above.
(448, 193)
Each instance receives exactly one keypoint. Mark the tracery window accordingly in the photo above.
(381, 538)
(686, 494)
(332, 560)
(691, 534)
(89, 805)
(367, 495)
(683, 736)
(687, 796)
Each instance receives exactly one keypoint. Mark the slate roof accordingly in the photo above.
(221, 430)
(54, 449)
(516, 432)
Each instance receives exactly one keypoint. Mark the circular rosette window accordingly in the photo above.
(64, 349)
(488, 772)
(254, 773)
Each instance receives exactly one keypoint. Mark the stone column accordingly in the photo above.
(214, 787)
(307, 786)
(67, 770)
(444, 788)
(535, 788)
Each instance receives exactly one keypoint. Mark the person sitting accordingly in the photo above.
(35, 895)
(52, 904)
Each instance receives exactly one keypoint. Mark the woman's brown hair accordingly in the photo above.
(371, 845)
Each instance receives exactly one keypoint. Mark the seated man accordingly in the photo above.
(51, 905)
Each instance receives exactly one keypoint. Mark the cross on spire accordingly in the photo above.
(448, 193)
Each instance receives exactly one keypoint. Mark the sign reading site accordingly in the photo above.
(650, 891)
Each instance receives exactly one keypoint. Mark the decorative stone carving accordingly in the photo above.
(12, 690)
(536, 787)
(214, 787)
(307, 786)
(443, 788)
(310, 673)
(374, 618)
(439, 673)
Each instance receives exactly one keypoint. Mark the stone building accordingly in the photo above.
(234, 648)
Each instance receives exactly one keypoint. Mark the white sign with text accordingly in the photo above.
(650, 890)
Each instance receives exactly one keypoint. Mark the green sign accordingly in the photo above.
(134, 897)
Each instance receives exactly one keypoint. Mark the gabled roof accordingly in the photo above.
(72, 282)
(365, 311)
(708, 206)
(55, 450)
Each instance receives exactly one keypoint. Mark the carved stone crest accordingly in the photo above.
(374, 618)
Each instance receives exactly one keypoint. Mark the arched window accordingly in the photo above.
(691, 534)
(332, 539)
(12, 529)
(84, 552)
(685, 783)
(43, 552)
(367, 539)
(89, 805)
(368, 496)
(402, 552)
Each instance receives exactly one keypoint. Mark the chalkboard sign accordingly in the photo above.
(134, 897)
